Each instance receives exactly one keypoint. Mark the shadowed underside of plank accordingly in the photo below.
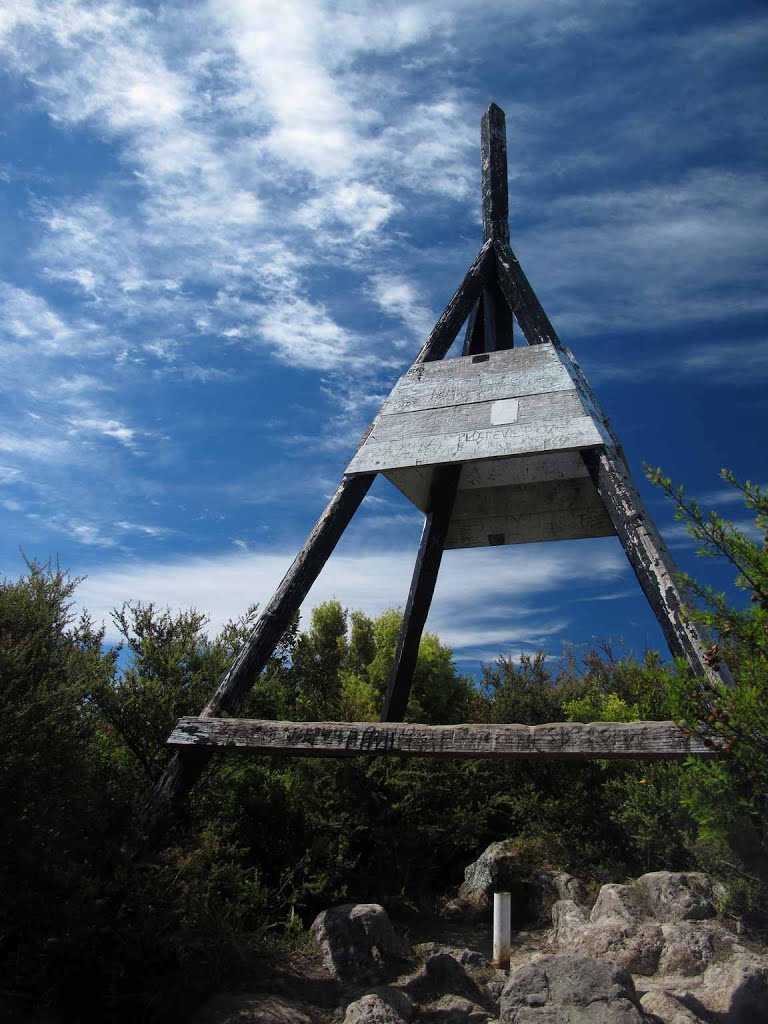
(569, 740)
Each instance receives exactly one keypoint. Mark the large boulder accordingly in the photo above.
(674, 896)
(384, 1006)
(441, 974)
(568, 987)
(691, 946)
(663, 1008)
(736, 990)
(357, 941)
(534, 890)
(247, 1008)
(453, 1010)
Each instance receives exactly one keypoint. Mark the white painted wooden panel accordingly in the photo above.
(504, 411)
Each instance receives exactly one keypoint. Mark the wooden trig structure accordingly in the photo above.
(503, 445)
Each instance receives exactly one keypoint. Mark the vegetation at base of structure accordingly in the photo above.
(266, 843)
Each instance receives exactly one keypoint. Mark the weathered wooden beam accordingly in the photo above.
(182, 773)
(474, 339)
(522, 299)
(560, 740)
(458, 309)
(442, 496)
(644, 546)
(493, 158)
(498, 319)
(649, 557)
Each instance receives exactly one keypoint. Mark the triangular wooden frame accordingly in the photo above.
(494, 289)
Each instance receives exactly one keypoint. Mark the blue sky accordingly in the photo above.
(228, 227)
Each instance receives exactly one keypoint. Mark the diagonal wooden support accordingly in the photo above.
(184, 770)
(649, 557)
(458, 309)
(425, 572)
(522, 299)
(643, 544)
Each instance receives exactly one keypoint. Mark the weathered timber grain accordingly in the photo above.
(458, 309)
(563, 740)
(649, 557)
(474, 339)
(182, 772)
(442, 495)
(493, 162)
(522, 299)
(470, 445)
(553, 405)
(498, 320)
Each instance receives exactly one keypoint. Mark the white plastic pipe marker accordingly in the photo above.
(502, 927)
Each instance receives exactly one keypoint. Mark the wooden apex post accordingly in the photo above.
(493, 150)
(444, 486)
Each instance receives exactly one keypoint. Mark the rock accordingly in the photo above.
(615, 930)
(356, 941)
(569, 923)
(737, 989)
(663, 1008)
(618, 902)
(441, 974)
(533, 890)
(466, 957)
(691, 946)
(453, 1010)
(385, 1006)
(245, 1008)
(637, 950)
(678, 896)
(573, 988)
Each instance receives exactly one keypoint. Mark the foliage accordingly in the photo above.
(268, 842)
(729, 797)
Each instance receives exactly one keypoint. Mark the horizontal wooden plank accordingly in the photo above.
(522, 469)
(467, 445)
(527, 499)
(569, 740)
(525, 359)
(554, 405)
(534, 528)
(457, 386)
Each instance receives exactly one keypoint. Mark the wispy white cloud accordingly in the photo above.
(485, 602)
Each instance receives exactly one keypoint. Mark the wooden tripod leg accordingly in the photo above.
(182, 771)
(425, 571)
(648, 555)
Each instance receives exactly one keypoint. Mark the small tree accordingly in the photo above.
(730, 799)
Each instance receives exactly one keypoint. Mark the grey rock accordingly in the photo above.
(737, 989)
(385, 1006)
(246, 1008)
(453, 1010)
(691, 946)
(620, 902)
(569, 923)
(441, 974)
(568, 988)
(357, 941)
(637, 950)
(533, 890)
(678, 896)
(664, 1008)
